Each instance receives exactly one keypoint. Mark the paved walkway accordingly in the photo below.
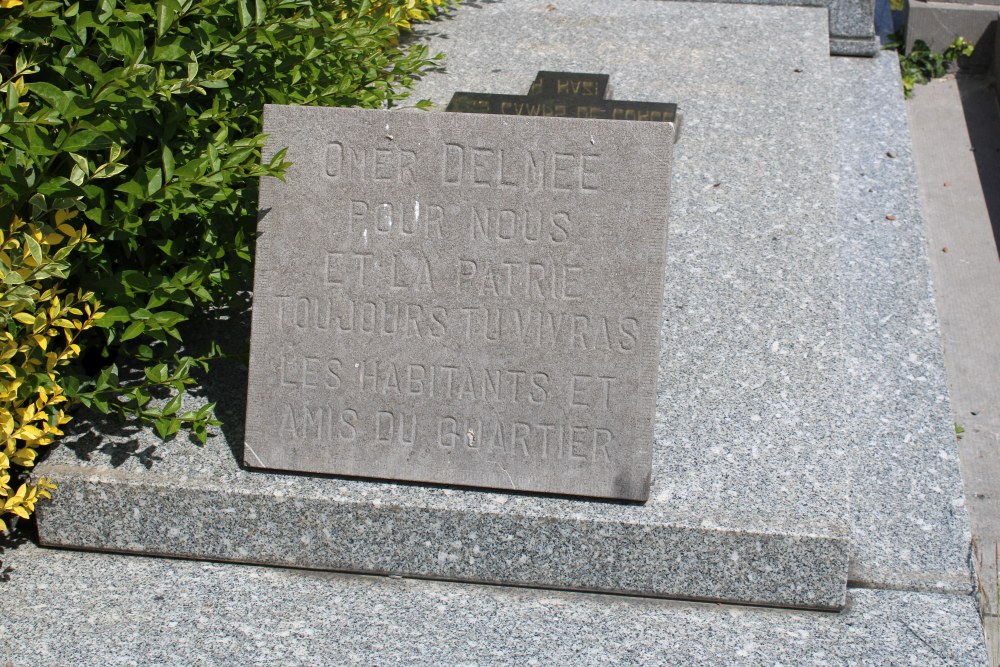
(956, 141)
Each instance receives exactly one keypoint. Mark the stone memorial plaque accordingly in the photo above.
(460, 299)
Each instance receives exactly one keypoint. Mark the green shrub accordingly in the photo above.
(922, 64)
(41, 329)
(143, 121)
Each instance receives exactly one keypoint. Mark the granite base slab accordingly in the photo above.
(177, 499)
(749, 496)
(102, 609)
(910, 526)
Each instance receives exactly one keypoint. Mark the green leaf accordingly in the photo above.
(105, 10)
(166, 10)
(173, 50)
(13, 278)
(135, 281)
(113, 316)
(52, 95)
(245, 18)
(38, 205)
(157, 373)
(85, 140)
(133, 330)
(101, 404)
(205, 411)
(167, 318)
(33, 248)
(155, 177)
(168, 163)
(166, 428)
(173, 405)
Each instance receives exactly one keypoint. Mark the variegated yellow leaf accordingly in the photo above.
(63, 215)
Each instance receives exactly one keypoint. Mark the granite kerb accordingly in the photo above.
(279, 520)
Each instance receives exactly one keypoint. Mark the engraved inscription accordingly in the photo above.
(532, 279)
(489, 385)
(537, 328)
(488, 167)
(370, 164)
(569, 84)
(317, 423)
(508, 224)
(558, 107)
(401, 218)
(529, 440)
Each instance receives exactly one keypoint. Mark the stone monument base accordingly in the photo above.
(795, 221)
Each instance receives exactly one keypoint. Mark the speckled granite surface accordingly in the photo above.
(852, 29)
(95, 609)
(750, 478)
(910, 527)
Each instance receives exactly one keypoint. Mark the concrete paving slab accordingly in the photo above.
(86, 608)
(957, 149)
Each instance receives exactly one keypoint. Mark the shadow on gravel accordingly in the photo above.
(979, 104)
(91, 433)
(226, 382)
(88, 434)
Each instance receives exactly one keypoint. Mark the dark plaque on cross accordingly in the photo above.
(569, 84)
(565, 95)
